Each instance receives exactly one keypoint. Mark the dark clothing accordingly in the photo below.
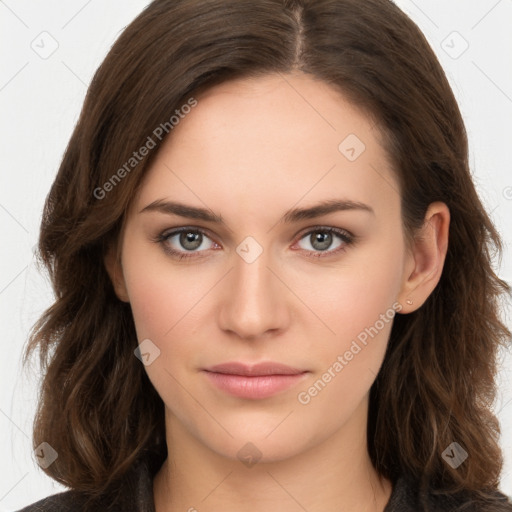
(135, 494)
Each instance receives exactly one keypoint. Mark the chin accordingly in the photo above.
(263, 443)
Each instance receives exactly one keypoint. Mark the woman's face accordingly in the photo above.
(267, 284)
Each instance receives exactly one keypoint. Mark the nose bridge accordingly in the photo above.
(253, 302)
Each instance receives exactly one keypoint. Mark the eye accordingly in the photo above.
(320, 239)
(189, 239)
(186, 242)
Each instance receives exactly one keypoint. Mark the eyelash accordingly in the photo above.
(347, 238)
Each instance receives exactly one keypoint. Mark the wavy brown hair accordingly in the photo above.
(97, 407)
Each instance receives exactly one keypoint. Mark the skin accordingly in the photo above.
(249, 151)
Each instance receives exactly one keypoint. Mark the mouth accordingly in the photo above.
(254, 382)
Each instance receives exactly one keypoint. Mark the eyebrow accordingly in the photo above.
(291, 216)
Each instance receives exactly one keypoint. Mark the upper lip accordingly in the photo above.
(269, 368)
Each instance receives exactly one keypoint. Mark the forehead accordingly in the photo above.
(276, 139)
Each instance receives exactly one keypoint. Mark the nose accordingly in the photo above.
(254, 299)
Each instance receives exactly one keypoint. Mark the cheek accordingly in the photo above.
(348, 361)
(160, 291)
(164, 306)
(354, 297)
(358, 304)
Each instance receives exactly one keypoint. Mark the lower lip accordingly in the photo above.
(256, 387)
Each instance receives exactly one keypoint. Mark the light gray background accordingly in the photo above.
(41, 96)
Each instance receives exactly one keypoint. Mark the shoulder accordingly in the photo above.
(408, 496)
(134, 492)
(121, 499)
(66, 501)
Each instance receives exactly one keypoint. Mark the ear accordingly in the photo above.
(425, 259)
(114, 268)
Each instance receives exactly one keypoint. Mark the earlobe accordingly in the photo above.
(115, 271)
(426, 258)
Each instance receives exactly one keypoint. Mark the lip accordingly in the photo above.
(256, 381)
(254, 370)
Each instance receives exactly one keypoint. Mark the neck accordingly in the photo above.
(334, 476)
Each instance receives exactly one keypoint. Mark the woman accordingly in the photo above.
(274, 288)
